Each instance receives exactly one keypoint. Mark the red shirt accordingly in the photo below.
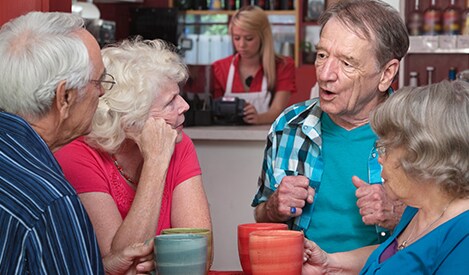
(90, 170)
(285, 76)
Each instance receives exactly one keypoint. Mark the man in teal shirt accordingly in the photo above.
(320, 172)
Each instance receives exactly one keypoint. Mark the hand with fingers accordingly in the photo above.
(375, 205)
(134, 259)
(250, 114)
(289, 199)
(314, 258)
(157, 139)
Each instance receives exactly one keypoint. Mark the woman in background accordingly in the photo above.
(254, 73)
(137, 172)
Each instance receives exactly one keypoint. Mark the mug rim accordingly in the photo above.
(262, 226)
(277, 233)
(179, 237)
(191, 229)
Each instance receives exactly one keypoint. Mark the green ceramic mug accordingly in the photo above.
(199, 231)
(180, 254)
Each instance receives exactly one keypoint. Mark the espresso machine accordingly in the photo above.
(103, 30)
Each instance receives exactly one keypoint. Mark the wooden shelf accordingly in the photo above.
(440, 51)
(231, 12)
(310, 23)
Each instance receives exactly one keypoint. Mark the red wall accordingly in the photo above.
(13, 8)
(305, 80)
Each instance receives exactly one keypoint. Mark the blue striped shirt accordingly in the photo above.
(44, 228)
(293, 148)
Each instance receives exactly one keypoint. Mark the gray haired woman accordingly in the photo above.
(424, 149)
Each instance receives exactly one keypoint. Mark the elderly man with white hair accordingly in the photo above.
(51, 77)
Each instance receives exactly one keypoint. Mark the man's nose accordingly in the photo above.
(328, 71)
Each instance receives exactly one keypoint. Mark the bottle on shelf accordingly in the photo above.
(243, 3)
(452, 73)
(261, 3)
(271, 5)
(215, 4)
(430, 70)
(286, 5)
(313, 9)
(234, 4)
(415, 20)
(413, 79)
(199, 4)
(432, 20)
(465, 20)
(183, 4)
(452, 19)
(463, 75)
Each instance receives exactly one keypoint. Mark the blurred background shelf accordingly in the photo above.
(231, 12)
(442, 52)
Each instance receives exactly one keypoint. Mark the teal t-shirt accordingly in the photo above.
(336, 222)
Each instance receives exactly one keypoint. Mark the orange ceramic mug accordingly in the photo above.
(276, 252)
(243, 240)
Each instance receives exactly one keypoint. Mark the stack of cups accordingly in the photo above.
(244, 231)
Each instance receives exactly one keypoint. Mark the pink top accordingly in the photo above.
(90, 170)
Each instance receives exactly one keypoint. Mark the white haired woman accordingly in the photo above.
(137, 173)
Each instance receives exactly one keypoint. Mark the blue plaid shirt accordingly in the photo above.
(294, 148)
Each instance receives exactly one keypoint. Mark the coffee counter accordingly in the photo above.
(231, 161)
(235, 133)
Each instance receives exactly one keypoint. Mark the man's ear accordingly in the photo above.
(389, 72)
(64, 99)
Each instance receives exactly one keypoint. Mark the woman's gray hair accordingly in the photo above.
(142, 70)
(38, 51)
(372, 20)
(432, 124)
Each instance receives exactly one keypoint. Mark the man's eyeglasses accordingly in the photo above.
(107, 81)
